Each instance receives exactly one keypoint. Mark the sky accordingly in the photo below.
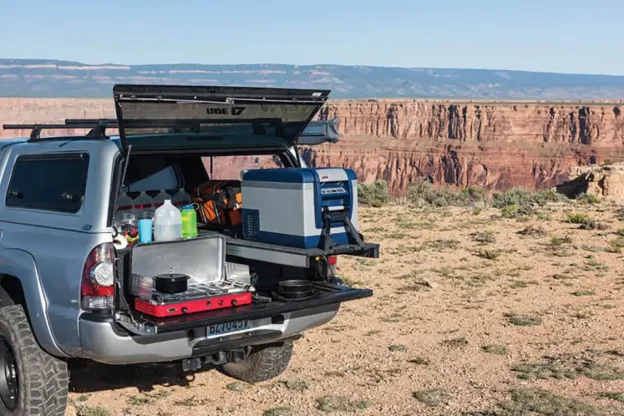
(572, 36)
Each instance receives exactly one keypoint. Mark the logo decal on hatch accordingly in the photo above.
(236, 111)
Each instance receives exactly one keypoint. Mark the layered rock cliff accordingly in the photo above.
(497, 145)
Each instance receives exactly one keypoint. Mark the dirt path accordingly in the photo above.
(469, 317)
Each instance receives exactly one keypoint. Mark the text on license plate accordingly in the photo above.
(227, 327)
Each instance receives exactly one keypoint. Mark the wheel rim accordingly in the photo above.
(9, 387)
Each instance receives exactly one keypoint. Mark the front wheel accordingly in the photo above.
(264, 363)
(32, 382)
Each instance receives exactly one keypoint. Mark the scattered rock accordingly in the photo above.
(433, 397)
(601, 182)
(236, 386)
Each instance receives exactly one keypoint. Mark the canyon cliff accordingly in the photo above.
(493, 144)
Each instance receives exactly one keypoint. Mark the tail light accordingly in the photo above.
(332, 261)
(98, 278)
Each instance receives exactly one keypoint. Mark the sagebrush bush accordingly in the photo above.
(375, 194)
(515, 211)
(523, 197)
(543, 197)
(576, 218)
(422, 193)
(513, 197)
(514, 203)
(587, 199)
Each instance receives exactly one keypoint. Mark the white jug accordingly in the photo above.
(143, 206)
(161, 198)
(181, 198)
(125, 205)
(167, 222)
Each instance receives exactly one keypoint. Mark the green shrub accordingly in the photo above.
(543, 197)
(484, 237)
(375, 194)
(575, 218)
(423, 193)
(520, 202)
(587, 199)
(515, 211)
(474, 194)
(513, 197)
(488, 254)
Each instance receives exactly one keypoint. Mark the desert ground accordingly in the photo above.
(476, 311)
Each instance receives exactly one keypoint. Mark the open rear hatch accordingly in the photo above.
(190, 118)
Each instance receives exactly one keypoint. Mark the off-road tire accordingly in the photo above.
(43, 379)
(264, 363)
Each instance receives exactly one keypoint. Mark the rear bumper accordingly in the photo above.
(102, 341)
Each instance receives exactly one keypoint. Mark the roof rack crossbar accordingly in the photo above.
(109, 121)
(98, 130)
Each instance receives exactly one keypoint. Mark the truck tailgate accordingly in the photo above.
(327, 294)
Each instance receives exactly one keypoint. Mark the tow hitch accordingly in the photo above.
(218, 358)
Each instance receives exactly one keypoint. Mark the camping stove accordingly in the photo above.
(199, 297)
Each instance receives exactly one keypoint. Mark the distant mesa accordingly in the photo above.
(496, 129)
(58, 79)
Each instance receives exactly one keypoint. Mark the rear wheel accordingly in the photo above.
(32, 382)
(264, 363)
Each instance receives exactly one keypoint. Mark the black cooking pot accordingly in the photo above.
(171, 283)
(295, 288)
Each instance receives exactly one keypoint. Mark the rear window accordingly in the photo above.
(49, 183)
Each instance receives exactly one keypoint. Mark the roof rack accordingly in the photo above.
(315, 133)
(97, 129)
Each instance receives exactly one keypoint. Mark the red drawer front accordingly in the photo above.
(193, 306)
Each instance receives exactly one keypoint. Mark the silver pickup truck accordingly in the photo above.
(65, 286)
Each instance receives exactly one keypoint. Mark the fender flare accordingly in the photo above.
(21, 265)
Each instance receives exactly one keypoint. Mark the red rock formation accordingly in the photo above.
(493, 145)
(497, 145)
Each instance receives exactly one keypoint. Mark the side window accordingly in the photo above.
(49, 183)
(230, 167)
(151, 174)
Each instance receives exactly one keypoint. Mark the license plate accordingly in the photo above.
(228, 327)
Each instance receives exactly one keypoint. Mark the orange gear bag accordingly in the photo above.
(219, 202)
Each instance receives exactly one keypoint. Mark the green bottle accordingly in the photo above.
(189, 222)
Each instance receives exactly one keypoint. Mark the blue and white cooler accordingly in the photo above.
(300, 207)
